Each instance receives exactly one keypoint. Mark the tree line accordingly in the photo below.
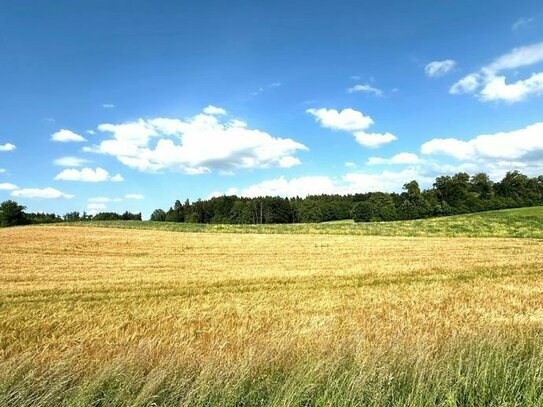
(449, 195)
(13, 214)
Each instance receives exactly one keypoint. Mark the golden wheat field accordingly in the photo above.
(92, 316)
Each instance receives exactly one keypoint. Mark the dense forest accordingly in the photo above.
(450, 195)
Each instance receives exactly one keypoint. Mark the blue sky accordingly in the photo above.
(129, 105)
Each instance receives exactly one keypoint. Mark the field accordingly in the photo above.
(284, 317)
(522, 222)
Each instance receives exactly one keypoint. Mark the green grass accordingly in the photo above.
(519, 223)
(470, 374)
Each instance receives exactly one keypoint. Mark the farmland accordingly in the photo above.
(330, 314)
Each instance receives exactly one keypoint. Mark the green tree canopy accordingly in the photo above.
(12, 214)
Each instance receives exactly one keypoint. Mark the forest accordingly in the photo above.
(449, 195)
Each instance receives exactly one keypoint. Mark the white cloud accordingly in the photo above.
(87, 175)
(91, 132)
(117, 178)
(355, 182)
(134, 196)
(447, 146)
(285, 162)
(497, 89)
(399, 159)
(301, 186)
(96, 206)
(489, 85)
(345, 120)
(373, 140)
(2, 170)
(70, 161)
(7, 147)
(353, 121)
(517, 58)
(108, 105)
(350, 164)
(65, 136)
(467, 84)
(40, 193)
(439, 68)
(386, 181)
(6, 186)
(494, 154)
(196, 145)
(365, 88)
(213, 110)
(524, 144)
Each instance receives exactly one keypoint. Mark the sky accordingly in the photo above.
(129, 105)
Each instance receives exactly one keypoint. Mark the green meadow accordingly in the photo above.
(521, 222)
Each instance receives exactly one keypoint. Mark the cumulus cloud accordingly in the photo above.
(386, 181)
(365, 88)
(213, 110)
(7, 147)
(467, 84)
(87, 175)
(496, 88)
(352, 121)
(494, 154)
(524, 144)
(350, 164)
(301, 186)
(40, 193)
(6, 186)
(350, 183)
(398, 159)
(65, 136)
(108, 105)
(439, 68)
(345, 120)
(197, 145)
(134, 196)
(373, 140)
(70, 162)
(490, 84)
(448, 146)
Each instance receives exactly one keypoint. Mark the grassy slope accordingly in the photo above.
(522, 222)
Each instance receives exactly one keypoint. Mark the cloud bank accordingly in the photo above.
(200, 144)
